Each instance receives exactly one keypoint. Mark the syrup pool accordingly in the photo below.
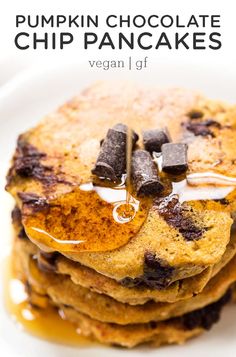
(45, 323)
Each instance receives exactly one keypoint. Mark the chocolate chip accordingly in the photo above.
(111, 161)
(206, 316)
(22, 234)
(48, 255)
(27, 160)
(203, 128)
(153, 324)
(32, 200)
(17, 219)
(156, 271)
(156, 274)
(133, 282)
(26, 149)
(195, 114)
(27, 163)
(199, 130)
(154, 139)
(174, 214)
(174, 158)
(144, 174)
(28, 197)
(212, 122)
(47, 261)
(28, 287)
(222, 201)
(16, 215)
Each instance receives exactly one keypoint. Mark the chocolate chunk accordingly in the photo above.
(111, 161)
(144, 174)
(195, 114)
(175, 215)
(206, 316)
(203, 128)
(154, 139)
(156, 274)
(174, 158)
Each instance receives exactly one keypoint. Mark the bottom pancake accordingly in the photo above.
(156, 334)
(173, 331)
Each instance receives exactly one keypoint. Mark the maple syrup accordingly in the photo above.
(204, 186)
(46, 323)
(128, 209)
(91, 218)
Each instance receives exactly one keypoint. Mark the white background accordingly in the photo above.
(226, 57)
(30, 87)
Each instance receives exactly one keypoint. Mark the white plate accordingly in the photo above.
(24, 99)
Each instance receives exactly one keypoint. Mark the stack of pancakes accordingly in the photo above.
(169, 280)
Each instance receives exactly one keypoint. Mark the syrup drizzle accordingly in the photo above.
(125, 205)
(129, 207)
(125, 210)
(204, 186)
(200, 186)
(211, 178)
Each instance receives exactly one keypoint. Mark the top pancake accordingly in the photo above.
(57, 156)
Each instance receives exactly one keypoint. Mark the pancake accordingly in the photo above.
(96, 282)
(156, 333)
(179, 290)
(62, 291)
(55, 158)
(129, 336)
